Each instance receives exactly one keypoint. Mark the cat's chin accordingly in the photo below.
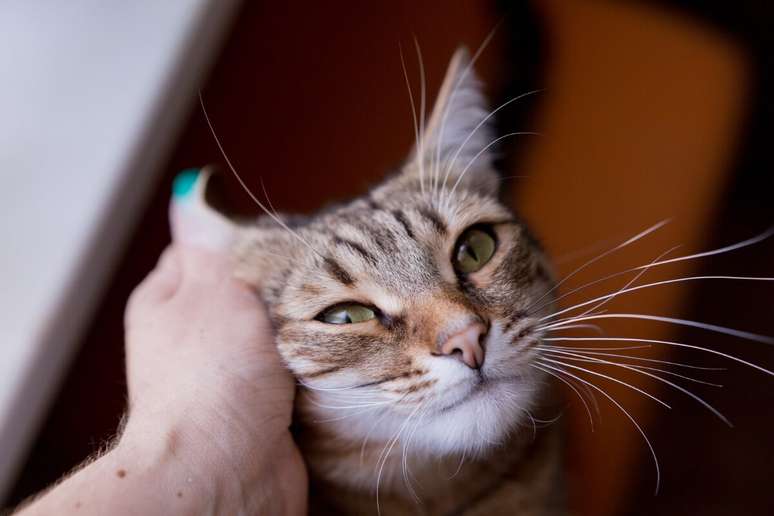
(473, 424)
(484, 419)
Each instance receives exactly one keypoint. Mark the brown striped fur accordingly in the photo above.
(377, 405)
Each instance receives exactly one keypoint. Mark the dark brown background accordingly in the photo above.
(649, 110)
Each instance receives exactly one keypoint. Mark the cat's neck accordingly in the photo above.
(345, 474)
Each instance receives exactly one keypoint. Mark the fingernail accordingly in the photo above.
(193, 221)
(184, 183)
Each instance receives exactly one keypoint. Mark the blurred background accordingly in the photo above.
(647, 111)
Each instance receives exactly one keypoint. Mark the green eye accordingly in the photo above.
(349, 313)
(474, 249)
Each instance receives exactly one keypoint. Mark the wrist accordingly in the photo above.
(226, 471)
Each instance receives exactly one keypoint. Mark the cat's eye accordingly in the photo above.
(474, 249)
(348, 313)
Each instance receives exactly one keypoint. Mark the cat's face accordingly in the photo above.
(413, 307)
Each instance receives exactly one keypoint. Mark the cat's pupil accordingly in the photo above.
(470, 252)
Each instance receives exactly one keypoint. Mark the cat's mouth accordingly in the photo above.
(480, 385)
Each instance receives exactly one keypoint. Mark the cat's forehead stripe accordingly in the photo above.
(338, 272)
(403, 221)
(355, 248)
(434, 218)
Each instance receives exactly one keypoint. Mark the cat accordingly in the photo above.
(409, 317)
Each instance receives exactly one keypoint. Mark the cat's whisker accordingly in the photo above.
(478, 126)
(358, 405)
(404, 459)
(455, 90)
(266, 196)
(738, 245)
(534, 425)
(473, 160)
(590, 396)
(624, 411)
(630, 357)
(422, 97)
(593, 359)
(244, 185)
(370, 430)
(384, 456)
(665, 343)
(672, 320)
(638, 369)
(607, 377)
(594, 348)
(607, 297)
(568, 321)
(628, 284)
(582, 252)
(588, 263)
(547, 422)
(417, 139)
(572, 387)
(459, 465)
(419, 122)
(656, 369)
(594, 327)
(335, 389)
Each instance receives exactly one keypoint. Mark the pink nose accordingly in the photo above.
(466, 347)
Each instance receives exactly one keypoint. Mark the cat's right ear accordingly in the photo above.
(455, 145)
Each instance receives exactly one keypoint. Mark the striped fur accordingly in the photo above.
(376, 404)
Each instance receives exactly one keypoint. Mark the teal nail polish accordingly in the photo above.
(184, 182)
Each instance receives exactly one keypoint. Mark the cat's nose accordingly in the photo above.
(466, 345)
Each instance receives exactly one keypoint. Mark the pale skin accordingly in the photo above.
(210, 404)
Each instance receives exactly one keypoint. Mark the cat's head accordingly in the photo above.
(416, 302)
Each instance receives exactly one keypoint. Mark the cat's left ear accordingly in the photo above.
(455, 142)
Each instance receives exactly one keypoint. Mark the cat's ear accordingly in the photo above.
(458, 133)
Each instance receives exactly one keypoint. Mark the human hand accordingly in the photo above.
(203, 370)
(210, 401)
(207, 385)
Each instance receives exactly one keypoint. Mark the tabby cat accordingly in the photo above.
(408, 317)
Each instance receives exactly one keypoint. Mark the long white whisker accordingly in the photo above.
(418, 137)
(654, 284)
(404, 459)
(732, 247)
(584, 326)
(623, 290)
(665, 343)
(631, 357)
(607, 377)
(386, 453)
(453, 94)
(620, 407)
(479, 125)
(751, 241)
(594, 348)
(459, 466)
(651, 375)
(658, 370)
(682, 322)
(244, 185)
(479, 153)
(352, 406)
(332, 389)
(577, 393)
(630, 241)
